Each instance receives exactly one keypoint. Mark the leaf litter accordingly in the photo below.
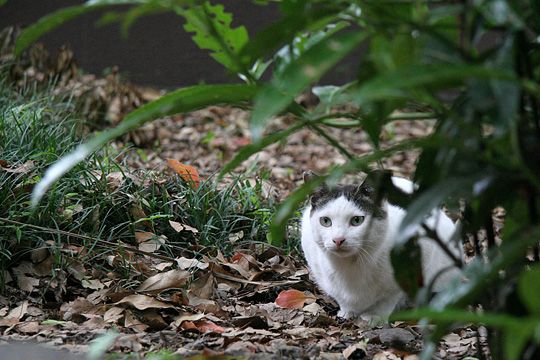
(213, 303)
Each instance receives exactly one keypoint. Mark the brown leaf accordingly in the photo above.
(166, 280)
(142, 302)
(23, 168)
(93, 284)
(114, 314)
(27, 283)
(148, 241)
(186, 172)
(15, 315)
(292, 299)
(185, 263)
(153, 319)
(30, 327)
(205, 326)
(203, 287)
(355, 351)
(131, 322)
(176, 226)
(186, 317)
(181, 227)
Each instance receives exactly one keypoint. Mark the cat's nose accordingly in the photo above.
(338, 241)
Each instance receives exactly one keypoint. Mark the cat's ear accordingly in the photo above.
(374, 185)
(309, 175)
(320, 192)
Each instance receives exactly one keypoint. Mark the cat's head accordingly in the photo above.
(343, 216)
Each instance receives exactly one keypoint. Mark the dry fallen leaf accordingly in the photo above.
(15, 315)
(292, 299)
(166, 280)
(205, 326)
(27, 283)
(113, 314)
(23, 168)
(148, 241)
(186, 172)
(185, 263)
(142, 302)
(181, 227)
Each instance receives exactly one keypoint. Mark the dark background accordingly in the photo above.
(157, 52)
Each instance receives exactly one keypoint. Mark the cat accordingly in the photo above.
(347, 238)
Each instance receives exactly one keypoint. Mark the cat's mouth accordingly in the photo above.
(341, 251)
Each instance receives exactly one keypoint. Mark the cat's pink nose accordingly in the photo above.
(338, 241)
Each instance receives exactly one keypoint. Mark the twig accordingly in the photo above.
(100, 242)
(251, 282)
(433, 234)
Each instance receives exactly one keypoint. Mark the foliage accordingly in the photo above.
(483, 94)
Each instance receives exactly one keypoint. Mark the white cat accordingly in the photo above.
(347, 238)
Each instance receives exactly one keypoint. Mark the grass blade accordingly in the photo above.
(183, 100)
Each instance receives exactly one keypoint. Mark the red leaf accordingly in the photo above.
(186, 172)
(205, 326)
(292, 299)
(237, 257)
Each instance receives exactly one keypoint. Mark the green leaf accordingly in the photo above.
(100, 345)
(480, 275)
(183, 100)
(53, 322)
(517, 330)
(308, 68)
(430, 199)
(529, 289)
(464, 316)
(515, 338)
(281, 32)
(397, 83)
(57, 18)
(407, 264)
(212, 30)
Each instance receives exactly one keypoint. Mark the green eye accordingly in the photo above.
(325, 221)
(357, 220)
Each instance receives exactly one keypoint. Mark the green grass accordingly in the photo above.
(37, 128)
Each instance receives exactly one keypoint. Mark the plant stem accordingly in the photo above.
(99, 242)
(433, 235)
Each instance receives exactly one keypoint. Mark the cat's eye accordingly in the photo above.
(357, 220)
(325, 221)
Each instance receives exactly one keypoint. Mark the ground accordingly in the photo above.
(207, 304)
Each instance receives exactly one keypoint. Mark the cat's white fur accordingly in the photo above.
(358, 274)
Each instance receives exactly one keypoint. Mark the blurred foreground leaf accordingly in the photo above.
(183, 100)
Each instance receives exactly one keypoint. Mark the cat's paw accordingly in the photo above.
(347, 314)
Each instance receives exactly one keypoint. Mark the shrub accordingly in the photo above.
(433, 55)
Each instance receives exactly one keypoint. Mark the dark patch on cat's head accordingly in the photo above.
(360, 195)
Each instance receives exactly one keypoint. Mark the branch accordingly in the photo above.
(433, 234)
